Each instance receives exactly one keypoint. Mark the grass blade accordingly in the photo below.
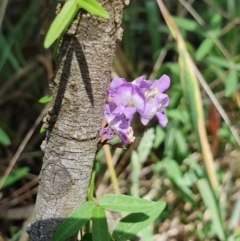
(231, 82)
(214, 209)
(192, 93)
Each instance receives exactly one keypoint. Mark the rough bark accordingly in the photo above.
(74, 120)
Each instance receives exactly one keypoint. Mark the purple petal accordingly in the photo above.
(109, 107)
(119, 122)
(116, 82)
(108, 111)
(129, 111)
(109, 132)
(119, 109)
(110, 93)
(162, 119)
(150, 111)
(162, 83)
(162, 99)
(138, 99)
(124, 94)
(126, 136)
(142, 83)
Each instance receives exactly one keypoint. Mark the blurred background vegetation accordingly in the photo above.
(173, 164)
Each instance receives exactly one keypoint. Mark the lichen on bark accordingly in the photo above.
(73, 122)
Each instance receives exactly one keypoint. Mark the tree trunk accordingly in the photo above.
(74, 120)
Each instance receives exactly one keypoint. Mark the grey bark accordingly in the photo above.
(74, 120)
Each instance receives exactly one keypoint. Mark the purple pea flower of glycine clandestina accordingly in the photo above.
(124, 99)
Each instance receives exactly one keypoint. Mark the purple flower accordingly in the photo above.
(118, 124)
(125, 99)
(129, 95)
(153, 107)
(162, 84)
(126, 136)
(142, 83)
(107, 131)
(116, 82)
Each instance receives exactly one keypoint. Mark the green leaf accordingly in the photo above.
(231, 82)
(146, 234)
(99, 225)
(153, 20)
(173, 170)
(216, 22)
(145, 145)
(160, 135)
(42, 129)
(186, 192)
(204, 49)
(124, 203)
(15, 175)
(223, 63)
(4, 139)
(45, 99)
(175, 174)
(136, 168)
(186, 24)
(61, 22)
(178, 115)
(133, 223)
(213, 205)
(174, 68)
(190, 178)
(181, 142)
(93, 7)
(74, 221)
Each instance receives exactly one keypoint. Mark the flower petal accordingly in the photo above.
(129, 111)
(162, 119)
(142, 83)
(162, 99)
(116, 82)
(138, 99)
(162, 84)
(126, 136)
(150, 110)
(107, 131)
(124, 94)
(108, 111)
(119, 109)
(119, 122)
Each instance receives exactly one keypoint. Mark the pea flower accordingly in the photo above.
(124, 99)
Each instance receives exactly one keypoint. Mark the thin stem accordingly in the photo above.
(111, 169)
(92, 182)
